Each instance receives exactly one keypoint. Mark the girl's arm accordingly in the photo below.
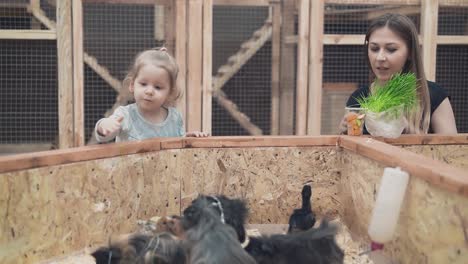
(443, 120)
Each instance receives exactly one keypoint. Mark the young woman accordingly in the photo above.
(392, 46)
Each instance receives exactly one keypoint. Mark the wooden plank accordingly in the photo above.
(167, 2)
(302, 68)
(287, 82)
(333, 39)
(374, 2)
(65, 156)
(429, 21)
(275, 11)
(246, 51)
(181, 51)
(430, 139)
(244, 2)
(27, 34)
(169, 27)
(452, 40)
(194, 70)
(249, 141)
(236, 114)
(78, 75)
(34, 5)
(207, 65)
(433, 171)
(267, 2)
(71, 155)
(159, 22)
(340, 87)
(135, 2)
(315, 68)
(65, 73)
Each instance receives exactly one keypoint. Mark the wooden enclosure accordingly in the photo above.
(56, 202)
(299, 95)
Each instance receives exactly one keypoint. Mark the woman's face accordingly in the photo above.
(387, 53)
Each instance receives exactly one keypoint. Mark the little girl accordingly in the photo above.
(152, 80)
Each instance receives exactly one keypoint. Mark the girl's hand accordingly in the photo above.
(197, 134)
(110, 125)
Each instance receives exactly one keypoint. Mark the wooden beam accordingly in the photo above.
(315, 67)
(287, 76)
(159, 23)
(136, 2)
(169, 27)
(194, 70)
(334, 39)
(181, 51)
(207, 50)
(236, 114)
(302, 68)
(340, 87)
(452, 40)
(374, 2)
(27, 34)
(275, 14)
(404, 10)
(65, 73)
(34, 4)
(429, 19)
(268, 2)
(433, 171)
(78, 75)
(168, 2)
(247, 50)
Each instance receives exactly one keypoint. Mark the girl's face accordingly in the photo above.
(151, 88)
(387, 53)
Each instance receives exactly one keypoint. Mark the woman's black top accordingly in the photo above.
(436, 93)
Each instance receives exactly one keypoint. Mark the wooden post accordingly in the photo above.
(169, 27)
(275, 12)
(302, 67)
(194, 71)
(429, 21)
(287, 70)
(207, 65)
(315, 67)
(78, 68)
(65, 73)
(159, 23)
(181, 51)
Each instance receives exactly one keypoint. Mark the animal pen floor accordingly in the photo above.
(351, 246)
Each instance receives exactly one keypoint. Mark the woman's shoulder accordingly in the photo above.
(437, 95)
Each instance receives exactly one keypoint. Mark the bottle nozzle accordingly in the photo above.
(376, 246)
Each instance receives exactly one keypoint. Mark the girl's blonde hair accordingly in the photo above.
(158, 57)
(420, 118)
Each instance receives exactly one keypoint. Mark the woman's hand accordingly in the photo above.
(343, 127)
(197, 134)
(110, 125)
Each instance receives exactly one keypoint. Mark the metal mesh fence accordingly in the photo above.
(28, 82)
(250, 87)
(452, 63)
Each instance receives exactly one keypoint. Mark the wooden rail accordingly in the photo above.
(436, 172)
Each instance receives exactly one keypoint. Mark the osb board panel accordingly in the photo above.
(270, 179)
(455, 155)
(433, 224)
(55, 210)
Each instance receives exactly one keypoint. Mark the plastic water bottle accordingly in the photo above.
(387, 207)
